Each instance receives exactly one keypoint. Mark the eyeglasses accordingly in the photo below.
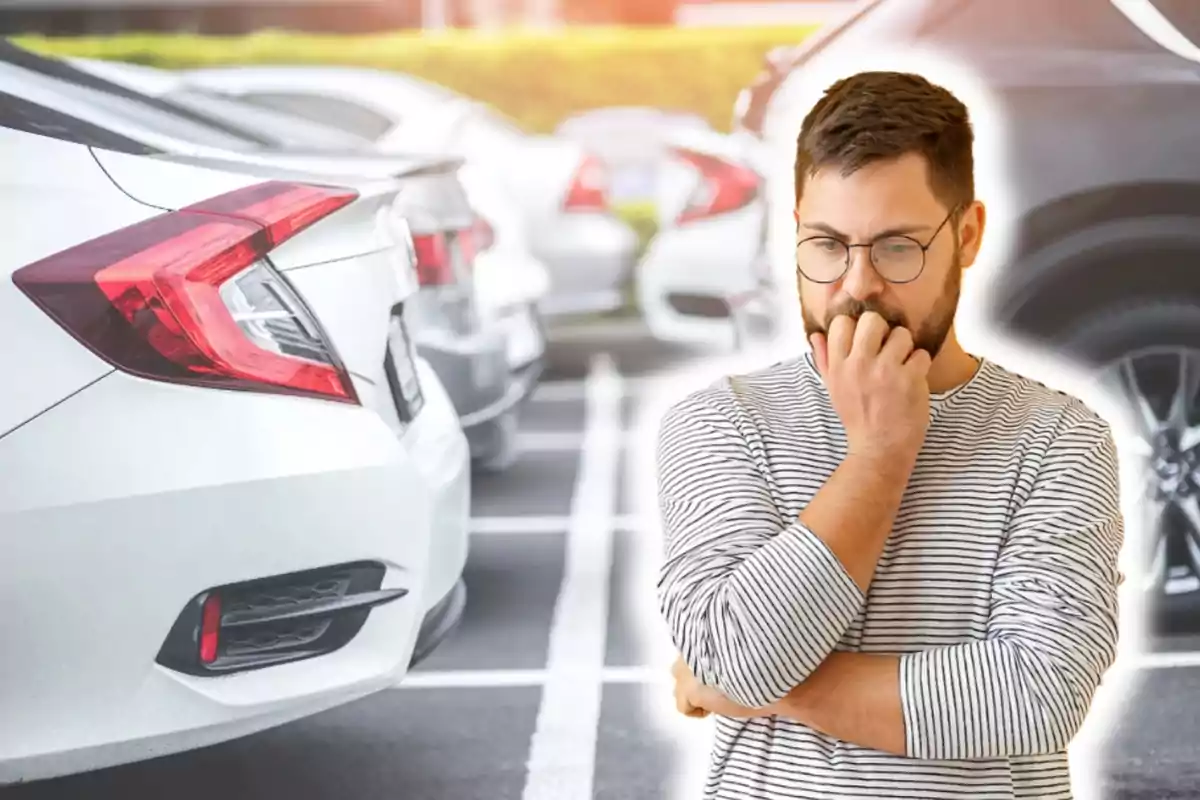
(897, 259)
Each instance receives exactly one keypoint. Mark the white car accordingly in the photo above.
(705, 277)
(468, 349)
(510, 283)
(558, 190)
(233, 496)
(701, 280)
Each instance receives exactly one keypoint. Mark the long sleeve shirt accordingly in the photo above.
(997, 585)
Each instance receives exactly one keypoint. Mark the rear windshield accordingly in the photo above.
(19, 114)
(159, 115)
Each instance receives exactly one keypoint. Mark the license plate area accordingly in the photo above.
(401, 368)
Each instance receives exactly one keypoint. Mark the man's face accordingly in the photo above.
(877, 200)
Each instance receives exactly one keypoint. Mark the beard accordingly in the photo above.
(930, 335)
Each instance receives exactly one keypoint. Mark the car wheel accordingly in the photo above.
(1146, 354)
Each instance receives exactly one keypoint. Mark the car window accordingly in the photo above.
(1077, 24)
(1184, 15)
(21, 115)
(346, 115)
(181, 121)
(279, 128)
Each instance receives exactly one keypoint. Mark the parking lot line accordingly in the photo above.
(567, 441)
(1167, 660)
(562, 753)
(517, 525)
(509, 678)
(558, 391)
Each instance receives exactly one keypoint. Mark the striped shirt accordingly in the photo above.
(997, 586)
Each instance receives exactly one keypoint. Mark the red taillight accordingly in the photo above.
(210, 628)
(186, 296)
(434, 267)
(589, 187)
(723, 187)
(483, 235)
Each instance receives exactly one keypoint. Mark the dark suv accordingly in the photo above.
(1101, 104)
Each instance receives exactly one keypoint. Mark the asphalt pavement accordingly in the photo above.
(554, 686)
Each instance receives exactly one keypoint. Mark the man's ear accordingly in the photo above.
(970, 232)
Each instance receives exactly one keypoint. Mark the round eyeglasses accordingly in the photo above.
(897, 259)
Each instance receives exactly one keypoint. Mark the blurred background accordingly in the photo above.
(623, 169)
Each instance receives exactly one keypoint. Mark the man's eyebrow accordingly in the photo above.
(897, 230)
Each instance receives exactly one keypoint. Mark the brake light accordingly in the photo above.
(723, 187)
(434, 267)
(188, 297)
(589, 187)
(483, 235)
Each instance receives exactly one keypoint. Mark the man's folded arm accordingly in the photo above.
(754, 602)
(1052, 634)
(1052, 631)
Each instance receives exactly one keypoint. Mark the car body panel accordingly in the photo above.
(269, 485)
(50, 364)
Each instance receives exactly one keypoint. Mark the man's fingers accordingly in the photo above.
(840, 339)
(899, 345)
(869, 333)
(920, 362)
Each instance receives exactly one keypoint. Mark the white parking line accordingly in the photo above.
(509, 678)
(517, 525)
(562, 391)
(562, 754)
(567, 441)
(1148, 661)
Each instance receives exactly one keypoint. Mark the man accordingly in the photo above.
(891, 564)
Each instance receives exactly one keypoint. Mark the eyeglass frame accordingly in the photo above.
(870, 256)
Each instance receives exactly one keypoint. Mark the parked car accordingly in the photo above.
(679, 302)
(557, 189)
(468, 352)
(1100, 106)
(506, 281)
(234, 495)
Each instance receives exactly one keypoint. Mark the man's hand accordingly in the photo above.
(877, 384)
(693, 699)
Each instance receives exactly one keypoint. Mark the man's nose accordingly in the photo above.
(861, 281)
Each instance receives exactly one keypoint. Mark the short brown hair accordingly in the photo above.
(879, 116)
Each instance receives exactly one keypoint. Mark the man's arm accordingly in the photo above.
(755, 602)
(1052, 634)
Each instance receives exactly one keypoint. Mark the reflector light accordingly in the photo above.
(210, 629)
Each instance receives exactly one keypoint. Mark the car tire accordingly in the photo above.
(1131, 330)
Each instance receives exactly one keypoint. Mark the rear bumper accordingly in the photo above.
(486, 432)
(591, 258)
(709, 282)
(439, 448)
(109, 545)
(473, 369)
(440, 621)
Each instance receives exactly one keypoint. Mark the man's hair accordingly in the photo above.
(880, 116)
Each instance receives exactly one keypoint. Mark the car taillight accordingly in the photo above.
(589, 187)
(723, 187)
(434, 267)
(188, 296)
(483, 236)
